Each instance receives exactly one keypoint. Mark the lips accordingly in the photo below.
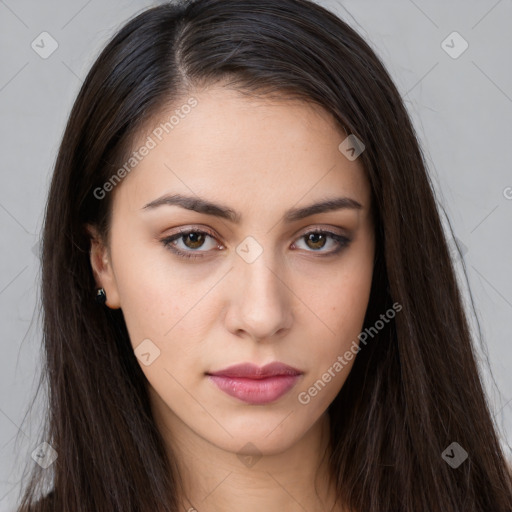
(256, 385)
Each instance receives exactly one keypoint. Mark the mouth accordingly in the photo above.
(256, 385)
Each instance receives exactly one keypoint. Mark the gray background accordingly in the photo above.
(461, 108)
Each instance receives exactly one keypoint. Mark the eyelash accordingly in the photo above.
(342, 241)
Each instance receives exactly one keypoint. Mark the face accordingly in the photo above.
(217, 259)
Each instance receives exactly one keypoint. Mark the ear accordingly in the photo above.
(102, 268)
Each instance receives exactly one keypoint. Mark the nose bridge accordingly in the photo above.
(262, 303)
(262, 283)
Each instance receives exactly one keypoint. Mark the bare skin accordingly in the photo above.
(297, 302)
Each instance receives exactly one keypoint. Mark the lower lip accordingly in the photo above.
(255, 391)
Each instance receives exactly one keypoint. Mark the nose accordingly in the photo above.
(260, 306)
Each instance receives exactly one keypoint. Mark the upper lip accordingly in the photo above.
(252, 371)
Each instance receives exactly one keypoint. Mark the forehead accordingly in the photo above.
(244, 150)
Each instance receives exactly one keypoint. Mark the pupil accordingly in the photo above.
(313, 237)
(194, 239)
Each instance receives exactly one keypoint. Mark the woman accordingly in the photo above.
(278, 325)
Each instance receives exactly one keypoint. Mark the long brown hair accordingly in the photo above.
(412, 392)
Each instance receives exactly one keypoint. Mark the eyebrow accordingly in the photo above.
(203, 206)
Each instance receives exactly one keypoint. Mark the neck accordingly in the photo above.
(213, 479)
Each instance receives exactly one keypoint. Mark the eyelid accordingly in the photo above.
(167, 241)
(194, 229)
(330, 230)
(342, 240)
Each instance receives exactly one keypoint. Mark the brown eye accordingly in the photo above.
(196, 239)
(187, 243)
(317, 240)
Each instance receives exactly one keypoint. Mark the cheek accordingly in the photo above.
(168, 305)
(347, 306)
(341, 309)
(343, 303)
(153, 294)
(343, 317)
